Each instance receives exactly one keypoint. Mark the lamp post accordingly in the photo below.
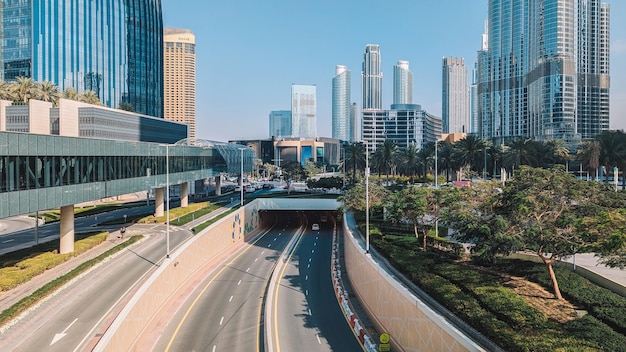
(241, 182)
(437, 194)
(167, 195)
(367, 201)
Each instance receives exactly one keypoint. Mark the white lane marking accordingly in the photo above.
(306, 292)
(310, 260)
(214, 347)
(255, 259)
(318, 339)
(316, 237)
(310, 313)
(231, 299)
(247, 269)
(7, 241)
(312, 250)
(62, 334)
(306, 277)
(269, 246)
(221, 321)
(274, 239)
(315, 244)
(239, 283)
(308, 266)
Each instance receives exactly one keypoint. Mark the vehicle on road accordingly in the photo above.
(315, 227)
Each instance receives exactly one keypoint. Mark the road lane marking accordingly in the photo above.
(306, 292)
(7, 241)
(308, 266)
(247, 269)
(318, 339)
(312, 250)
(214, 347)
(255, 259)
(306, 277)
(221, 321)
(231, 299)
(62, 334)
(310, 313)
(239, 283)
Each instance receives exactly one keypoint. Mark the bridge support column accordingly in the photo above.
(66, 233)
(218, 185)
(159, 205)
(184, 194)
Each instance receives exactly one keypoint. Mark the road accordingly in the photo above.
(223, 313)
(75, 316)
(309, 316)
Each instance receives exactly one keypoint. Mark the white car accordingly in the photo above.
(315, 227)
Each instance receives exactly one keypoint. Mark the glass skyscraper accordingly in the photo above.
(303, 111)
(341, 122)
(545, 73)
(111, 47)
(455, 96)
(280, 123)
(372, 78)
(402, 83)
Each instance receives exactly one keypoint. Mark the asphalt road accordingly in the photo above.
(223, 313)
(309, 316)
(75, 316)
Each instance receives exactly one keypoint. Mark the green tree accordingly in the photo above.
(522, 152)
(588, 153)
(49, 92)
(416, 206)
(354, 198)
(292, 171)
(71, 94)
(425, 158)
(24, 89)
(556, 152)
(90, 97)
(386, 157)
(354, 158)
(469, 152)
(409, 162)
(126, 106)
(612, 150)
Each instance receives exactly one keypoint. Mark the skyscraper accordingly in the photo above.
(280, 123)
(179, 54)
(303, 111)
(545, 73)
(372, 78)
(341, 121)
(402, 83)
(455, 96)
(113, 48)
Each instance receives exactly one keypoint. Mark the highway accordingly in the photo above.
(306, 315)
(74, 317)
(223, 313)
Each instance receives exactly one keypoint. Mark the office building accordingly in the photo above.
(402, 83)
(179, 77)
(341, 109)
(280, 124)
(405, 124)
(113, 48)
(545, 73)
(303, 111)
(372, 78)
(455, 96)
(354, 117)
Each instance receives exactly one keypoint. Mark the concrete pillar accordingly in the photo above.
(66, 233)
(159, 205)
(184, 194)
(218, 185)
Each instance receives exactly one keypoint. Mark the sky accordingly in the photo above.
(250, 52)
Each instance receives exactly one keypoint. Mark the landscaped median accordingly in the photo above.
(15, 271)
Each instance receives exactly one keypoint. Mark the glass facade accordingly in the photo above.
(372, 77)
(111, 47)
(341, 122)
(455, 109)
(39, 172)
(280, 123)
(303, 111)
(402, 83)
(545, 71)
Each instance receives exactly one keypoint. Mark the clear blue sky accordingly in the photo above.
(249, 52)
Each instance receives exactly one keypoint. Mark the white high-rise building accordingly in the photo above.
(341, 121)
(455, 96)
(372, 78)
(179, 73)
(304, 111)
(402, 83)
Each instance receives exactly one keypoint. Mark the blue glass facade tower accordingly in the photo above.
(545, 72)
(113, 48)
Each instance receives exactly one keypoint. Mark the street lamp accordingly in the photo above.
(367, 201)
(241, 182)
(437, 194)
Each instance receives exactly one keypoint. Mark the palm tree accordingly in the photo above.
(446, 160)
(556, 151)
(470, 151)
(90, 97)
(5, 91)
(522, 152)
(588, 153)
(23, 89)
(409, 161)
(425, 159)
(354, 157)
(388, 159)
(71, 94)
(48, 91)
(612, 150)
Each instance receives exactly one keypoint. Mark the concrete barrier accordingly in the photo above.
(393, 309)
(173, 273)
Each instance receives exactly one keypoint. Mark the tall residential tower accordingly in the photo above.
(455, 109)
(372, 78)
(402, 83)
(179, 84)
(545, 73)
(304, 111)
(341, 122)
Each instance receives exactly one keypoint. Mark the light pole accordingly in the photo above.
(436, 184)
(367, 201)
(241, 182)
(167, 195)
(437, 194)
